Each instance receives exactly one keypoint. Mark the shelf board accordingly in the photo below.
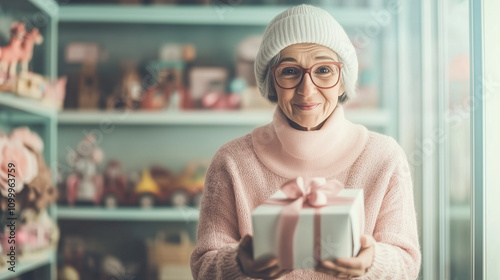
(27, 105)
(200, 117)
(49, 7)
(24, 265)
(368, 117)
(178, 14)
(171, 214)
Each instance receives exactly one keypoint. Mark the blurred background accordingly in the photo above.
(132, 98)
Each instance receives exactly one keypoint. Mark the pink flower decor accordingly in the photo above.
(26, 165)
(28, 138)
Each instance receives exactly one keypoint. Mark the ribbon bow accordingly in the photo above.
(303, 192)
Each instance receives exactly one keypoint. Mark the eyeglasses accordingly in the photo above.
(323, 74)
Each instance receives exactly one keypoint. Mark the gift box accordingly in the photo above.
(309, 220)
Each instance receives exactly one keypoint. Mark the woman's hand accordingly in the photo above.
(351, 267)
(262, 269)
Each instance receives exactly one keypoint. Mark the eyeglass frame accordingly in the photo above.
(308, 71)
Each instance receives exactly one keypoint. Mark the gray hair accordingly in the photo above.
(270, 92)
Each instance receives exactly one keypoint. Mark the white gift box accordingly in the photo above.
(341, 227)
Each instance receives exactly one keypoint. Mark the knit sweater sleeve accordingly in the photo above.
(397, 251)
(214, 256)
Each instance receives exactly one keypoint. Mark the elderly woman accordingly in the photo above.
(307, 65)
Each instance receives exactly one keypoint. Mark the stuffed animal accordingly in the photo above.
(16, 160)
(85, 185)
(25, 148)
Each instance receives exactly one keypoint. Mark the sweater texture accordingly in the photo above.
(246, 171)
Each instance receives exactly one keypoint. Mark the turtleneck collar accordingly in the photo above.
(320, 153)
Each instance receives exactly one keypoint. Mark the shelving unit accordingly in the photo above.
(23, 266)
(367, 117)
(182, 128)
(165, 214)
(17, 111)
(192, 15)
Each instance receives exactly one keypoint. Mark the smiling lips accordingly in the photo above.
(307, 106)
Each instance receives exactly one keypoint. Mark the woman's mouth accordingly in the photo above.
(307, 106)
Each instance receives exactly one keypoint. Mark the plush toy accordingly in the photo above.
(85, 185)
(38, 231)
(33, 176)
(17, 160)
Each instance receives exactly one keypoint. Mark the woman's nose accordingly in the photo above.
(306, 87)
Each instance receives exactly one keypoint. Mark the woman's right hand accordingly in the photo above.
(261, 269)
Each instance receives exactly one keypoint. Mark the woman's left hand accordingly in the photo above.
(351, 267)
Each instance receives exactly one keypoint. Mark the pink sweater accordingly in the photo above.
(247, 170)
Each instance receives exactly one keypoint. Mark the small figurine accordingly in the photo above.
(158, 185)
(54, 93)
(31, 85)
(115, 190)
(219, 101)
(9, 55)
(193, 180)
(88, 87)
(85, 185)
(127, 92)
(33, 37)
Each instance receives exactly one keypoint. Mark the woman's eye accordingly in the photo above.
(289, 71)
(323, 70)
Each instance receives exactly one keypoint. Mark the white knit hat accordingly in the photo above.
(306, 24)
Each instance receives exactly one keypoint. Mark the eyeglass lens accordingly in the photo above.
(323, 75)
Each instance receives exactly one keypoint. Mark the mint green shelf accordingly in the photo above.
(201, 117)
(46, 258)
(368, 117)
(170, 214)
(27, 105)
(192, 15)
(48, 6)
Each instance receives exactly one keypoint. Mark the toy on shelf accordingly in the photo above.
(40, 192)
(204, 80)
(127, 93)
(85, 185)
(116, 191)
(165, 94)
(30, 85)
(157, 185)
(10, 54)
(193, 180)
(245, 58)
(88, 87)
(170, 260)
(67, 272)
(33, 37)
(88, 55)
(15, 156)
(54, 93)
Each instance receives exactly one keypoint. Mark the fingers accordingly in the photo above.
(265, 268)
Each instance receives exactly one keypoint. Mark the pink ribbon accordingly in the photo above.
(303, 193)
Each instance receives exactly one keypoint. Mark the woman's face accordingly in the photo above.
(307, 106)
